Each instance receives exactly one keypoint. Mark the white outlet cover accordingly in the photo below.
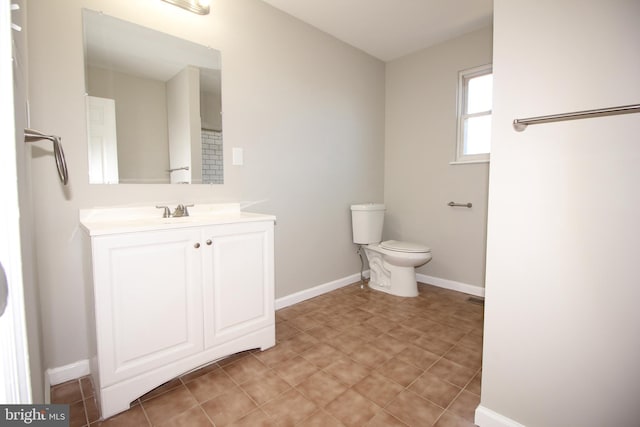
(237, 156)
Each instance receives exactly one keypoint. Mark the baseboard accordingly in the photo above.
(306, 294)
(65, 373)
(487, 418)
(451, 284)
(47, 390)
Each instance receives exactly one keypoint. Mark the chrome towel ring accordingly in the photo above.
(31, 135)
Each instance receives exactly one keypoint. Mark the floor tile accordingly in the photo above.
(413, 410)
(290, 408)
(465, 405)
(321, 388)
(301, 342)
(384, 419)
(295, 371)
(465, 356)
(320, 419)
(400, 372)
(475, 384)
(449, 419)
(369, 354)
(228, 407)
(86, 384)
(206, 387)
(390, 345)
(134, 417)
(245, 369)
(378, 388)
(322, 355)
(281, 352)
(352, 408)
(435, 389)
(194, 417)
(434, 345)
(77, 415)
(255, 418)
(266, 387)
(68, 392)
(285, 330)
(418, 357)
(91, 409)
(168, 404)
(452, 372)
(347, 371)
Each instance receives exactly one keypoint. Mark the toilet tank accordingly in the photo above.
(367, 220)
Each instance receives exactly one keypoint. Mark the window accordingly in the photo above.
(475, 98)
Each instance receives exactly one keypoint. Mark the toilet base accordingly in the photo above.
(392, 279)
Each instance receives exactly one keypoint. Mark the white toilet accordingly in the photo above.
(392, 263)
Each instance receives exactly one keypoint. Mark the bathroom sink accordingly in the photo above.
(123, 220)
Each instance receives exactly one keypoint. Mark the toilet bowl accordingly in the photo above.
(392, 263)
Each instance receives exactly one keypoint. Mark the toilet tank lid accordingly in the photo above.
(368, 207)
(396, 245)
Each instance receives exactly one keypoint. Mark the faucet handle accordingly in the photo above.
(186, 211)
(166, 213)
(179, 212)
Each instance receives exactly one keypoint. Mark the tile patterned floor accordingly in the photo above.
(351, 357)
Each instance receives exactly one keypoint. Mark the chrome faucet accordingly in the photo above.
(181, 210)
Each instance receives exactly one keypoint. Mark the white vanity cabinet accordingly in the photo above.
(175, 295)
(148, 291)
(238, 263)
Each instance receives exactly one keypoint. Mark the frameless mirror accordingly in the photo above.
(153, 105)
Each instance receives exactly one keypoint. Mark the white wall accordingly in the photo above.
(421, 94)
(307, 109)
(141, 118)
(561, 324)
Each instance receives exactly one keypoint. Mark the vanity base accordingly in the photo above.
(117, 398)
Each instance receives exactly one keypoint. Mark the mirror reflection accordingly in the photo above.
(153, 105)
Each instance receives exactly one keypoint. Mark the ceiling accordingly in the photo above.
(389, 29)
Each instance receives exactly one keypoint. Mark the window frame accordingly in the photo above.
(463, 78)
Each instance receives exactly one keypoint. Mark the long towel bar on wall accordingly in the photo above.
(521, 124)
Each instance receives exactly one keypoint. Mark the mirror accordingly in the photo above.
(153, 105)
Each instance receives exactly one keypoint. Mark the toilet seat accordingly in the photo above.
(400, 246)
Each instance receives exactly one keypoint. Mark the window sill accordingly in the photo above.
(467, 162)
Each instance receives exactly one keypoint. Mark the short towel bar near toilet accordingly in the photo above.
(461, 205)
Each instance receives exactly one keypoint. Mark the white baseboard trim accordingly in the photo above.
(69, 372)
(47, 390)
(487, 418)
(451, 284)
(306, 294)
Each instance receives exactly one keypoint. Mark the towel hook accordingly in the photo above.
(32, 135)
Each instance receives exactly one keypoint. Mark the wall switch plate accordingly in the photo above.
(237, 157)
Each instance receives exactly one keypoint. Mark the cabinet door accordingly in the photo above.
(148, 300)
(238, 280)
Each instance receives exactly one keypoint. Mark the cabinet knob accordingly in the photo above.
(197, 245)
(209, 242)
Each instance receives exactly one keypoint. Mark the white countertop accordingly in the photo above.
(103, 221)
